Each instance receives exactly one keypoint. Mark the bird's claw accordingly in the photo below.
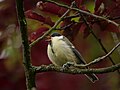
(67, 65)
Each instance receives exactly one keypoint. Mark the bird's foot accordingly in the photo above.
(67, 65)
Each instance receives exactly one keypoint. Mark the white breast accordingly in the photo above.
(62, 52)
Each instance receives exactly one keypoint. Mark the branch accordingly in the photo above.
(101, 58)
(98, 40)
(29, 71)
(53, 28)
(83, 12)
(91, 31)
(93, 15)
(46, 68)
(116, 40)
(92, 21)
(65, 27)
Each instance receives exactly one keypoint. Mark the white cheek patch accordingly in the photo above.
(56, 39)
(60, 37)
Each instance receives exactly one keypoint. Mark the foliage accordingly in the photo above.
(40, 17)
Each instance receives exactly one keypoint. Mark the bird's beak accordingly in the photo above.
(48, 38)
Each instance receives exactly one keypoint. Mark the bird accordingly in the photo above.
(61, 51)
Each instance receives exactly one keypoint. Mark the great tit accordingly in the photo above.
(61, 51)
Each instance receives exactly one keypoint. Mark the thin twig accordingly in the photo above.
(90, 14)
(48, 68)
(116, 40)
(103, 57)
(98, 40)
(83, 12)
(72, 16)
(92, 21)
(52, 28)
(65, 27)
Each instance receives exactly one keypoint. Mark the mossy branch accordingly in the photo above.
(47, 68)
(98, 40)
(29, 70)
(99, 59)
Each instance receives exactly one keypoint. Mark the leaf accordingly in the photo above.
(97, 4)
(71, 29)
(4, 54)
(112, 28)
(85, 30)
(51, 8)
(39, 32)
(33, 15)
(78, 2)
(105, 26)
(109, 8)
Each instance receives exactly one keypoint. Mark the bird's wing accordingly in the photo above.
(67, 41)
(77, 54)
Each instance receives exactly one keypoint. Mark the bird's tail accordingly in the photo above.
(92, 77)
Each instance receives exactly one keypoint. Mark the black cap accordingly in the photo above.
(55, 34)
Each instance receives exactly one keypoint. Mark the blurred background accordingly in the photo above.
(40, 17)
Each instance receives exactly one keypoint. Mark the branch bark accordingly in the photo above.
(47, 68)
(101, 58)
(29, 70)
(98, 40)
(87, 24)
(83, 12)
